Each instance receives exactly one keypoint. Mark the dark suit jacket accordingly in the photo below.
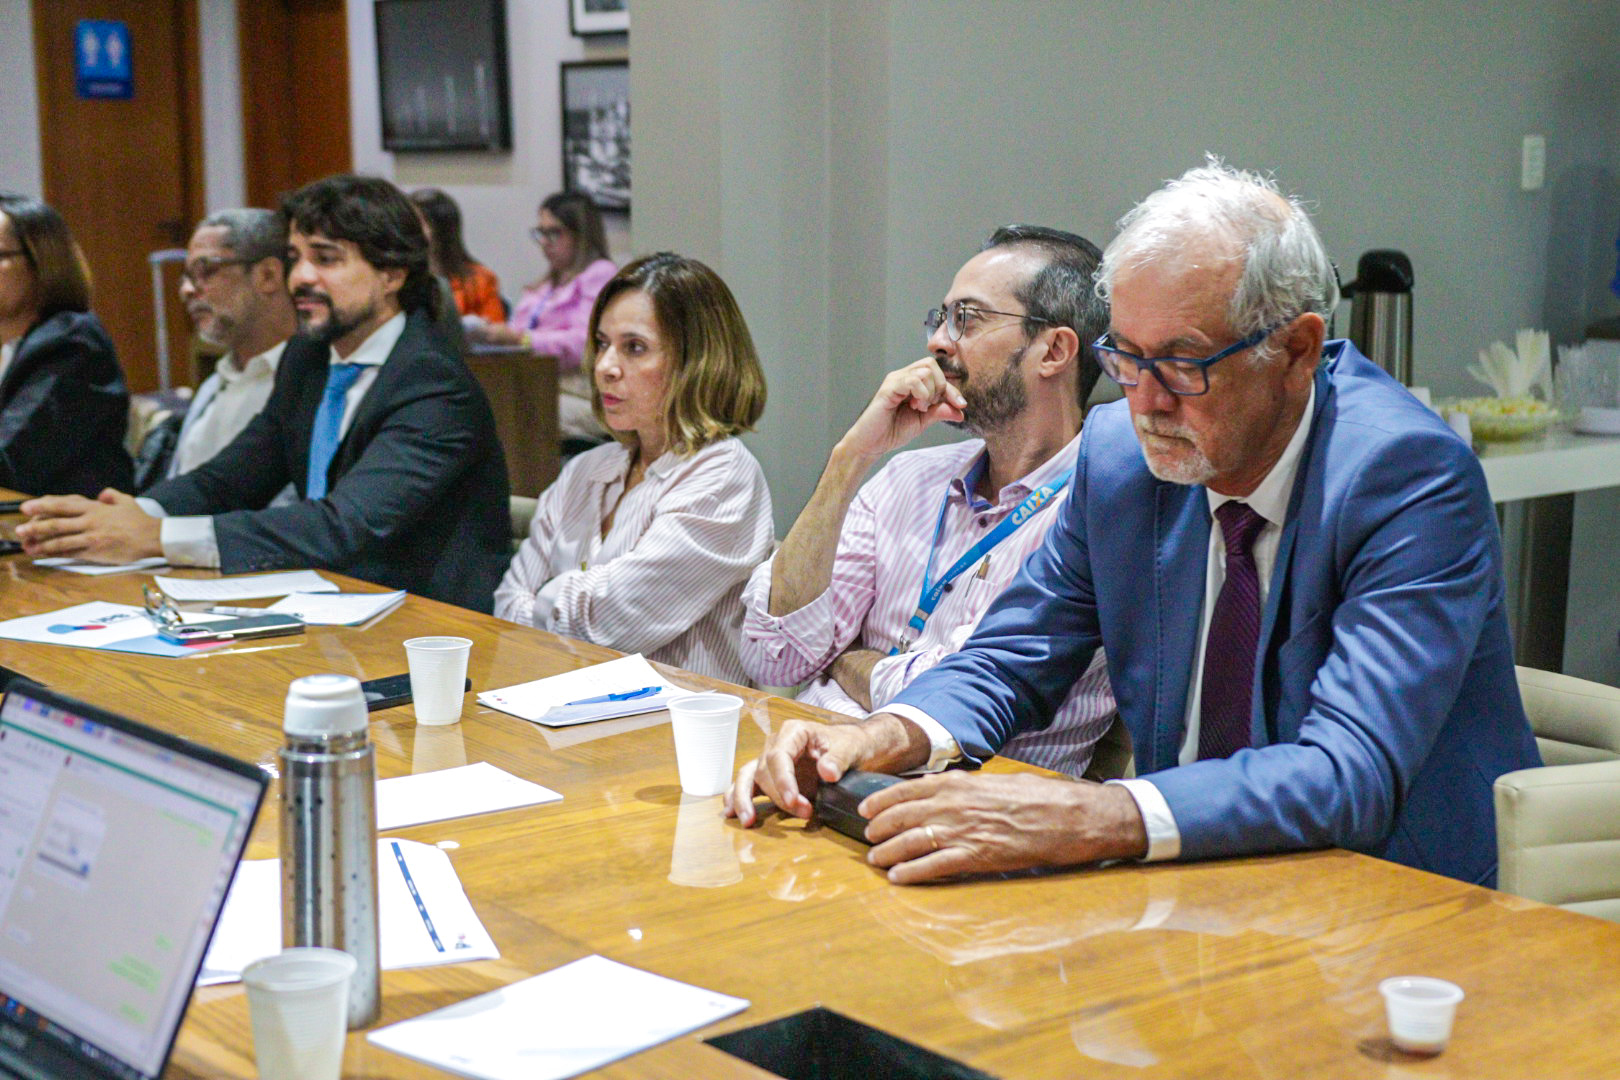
(417, 493)
(64, 410)
(1385, 697)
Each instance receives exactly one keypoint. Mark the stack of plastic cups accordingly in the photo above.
(705, 727)
(299, 1004)
(438, 668)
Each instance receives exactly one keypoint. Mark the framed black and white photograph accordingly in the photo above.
(588, 17)
(596, 131)
(441, 73)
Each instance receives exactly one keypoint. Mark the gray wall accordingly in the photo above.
(839, 158)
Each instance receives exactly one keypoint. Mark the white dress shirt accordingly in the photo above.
(190, 541)
(667, 578)
(224, 404)
(1270, 501)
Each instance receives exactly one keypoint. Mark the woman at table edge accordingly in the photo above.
(644, 544)
(64, 406)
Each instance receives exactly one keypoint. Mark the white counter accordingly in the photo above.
(1557, 464)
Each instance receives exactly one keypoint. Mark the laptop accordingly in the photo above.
(117, 846)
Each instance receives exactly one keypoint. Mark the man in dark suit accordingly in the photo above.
(384, 434)
(1292, 565)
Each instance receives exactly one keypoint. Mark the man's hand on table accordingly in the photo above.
(953, 823)
(801, 755)
(112, 528)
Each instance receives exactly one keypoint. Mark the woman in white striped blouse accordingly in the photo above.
(644, 544)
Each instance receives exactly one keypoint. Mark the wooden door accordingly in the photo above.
(295, 94)
(126, 174)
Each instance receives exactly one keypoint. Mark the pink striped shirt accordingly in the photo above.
(877, 576)
(666, 579)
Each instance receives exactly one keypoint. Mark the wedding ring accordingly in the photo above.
(932, 839)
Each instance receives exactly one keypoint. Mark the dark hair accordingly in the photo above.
(448, 250)
(251, 233)
(1062, 291)
(376, 217)
(61, 279)
(716, 386)
(578, 215)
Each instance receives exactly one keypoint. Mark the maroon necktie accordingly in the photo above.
(1234, 636)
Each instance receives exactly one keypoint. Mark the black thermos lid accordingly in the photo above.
(1382, 270)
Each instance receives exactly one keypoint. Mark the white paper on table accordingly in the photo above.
(79, 566)
(337, 609)
(251, 587)
(250, 924)
(479, 788)
(532, 700)
(95, 625)
(569, 1020)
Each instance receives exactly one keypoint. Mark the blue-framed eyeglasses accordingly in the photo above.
(1179, 375)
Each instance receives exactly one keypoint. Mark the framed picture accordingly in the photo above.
(596, 131)
(587, 17)
(441, 73)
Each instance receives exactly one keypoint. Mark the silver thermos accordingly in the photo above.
(1381, 311)
(329, 831)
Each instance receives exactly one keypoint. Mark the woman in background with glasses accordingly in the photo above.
(551, 317)
(64, 407)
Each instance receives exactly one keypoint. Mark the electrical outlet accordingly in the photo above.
(1533, 163)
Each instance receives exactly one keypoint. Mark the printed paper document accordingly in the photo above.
(532, 701)
(337, 609)
(479, 788)
(251, 587)
(569, 1020)
(444, 929)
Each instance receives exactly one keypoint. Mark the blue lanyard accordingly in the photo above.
(932, 590)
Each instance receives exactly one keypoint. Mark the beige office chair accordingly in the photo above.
(522, 510)
(1558, 827)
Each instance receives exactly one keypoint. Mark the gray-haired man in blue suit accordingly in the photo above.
(1293, 567)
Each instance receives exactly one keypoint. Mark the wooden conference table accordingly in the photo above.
(1260, 967)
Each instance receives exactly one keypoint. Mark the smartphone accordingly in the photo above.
(393, 690)
(255, 626)
(11, 506)
(10, 547)
(836, 803)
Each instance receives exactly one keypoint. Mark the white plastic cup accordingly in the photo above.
(438, 675)
(299, 1004)
(1420, 1011)
(705, 727)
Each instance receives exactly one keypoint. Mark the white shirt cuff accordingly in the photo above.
(1164, 839)
(545, 601)
(943, 749)
(190, 541)
(151, 506)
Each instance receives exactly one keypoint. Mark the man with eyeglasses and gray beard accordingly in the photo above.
(878, 581)
(1295, 569)
(234, 286)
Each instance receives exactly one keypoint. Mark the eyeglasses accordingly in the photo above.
(956, 316)
(1179, 375)
(11, 253)
(541, 234)
(198, 271)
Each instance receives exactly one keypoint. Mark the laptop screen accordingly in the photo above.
(117, 845)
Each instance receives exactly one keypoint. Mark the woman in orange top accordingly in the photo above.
(474, 285)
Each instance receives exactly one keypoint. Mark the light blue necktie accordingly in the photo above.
(323, 440)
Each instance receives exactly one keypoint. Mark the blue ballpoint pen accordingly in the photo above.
(628, 695)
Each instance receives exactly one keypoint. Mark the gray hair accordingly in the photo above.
(251, 233)
(1286, 270)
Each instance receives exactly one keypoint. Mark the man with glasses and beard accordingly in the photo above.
(877, 582)
(234, 286)
(385, 436)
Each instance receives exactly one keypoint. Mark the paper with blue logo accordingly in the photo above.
(100, 625)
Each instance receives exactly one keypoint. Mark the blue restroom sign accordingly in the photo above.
(101, 60)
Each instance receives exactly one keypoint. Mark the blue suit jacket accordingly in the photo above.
(1385, 700)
